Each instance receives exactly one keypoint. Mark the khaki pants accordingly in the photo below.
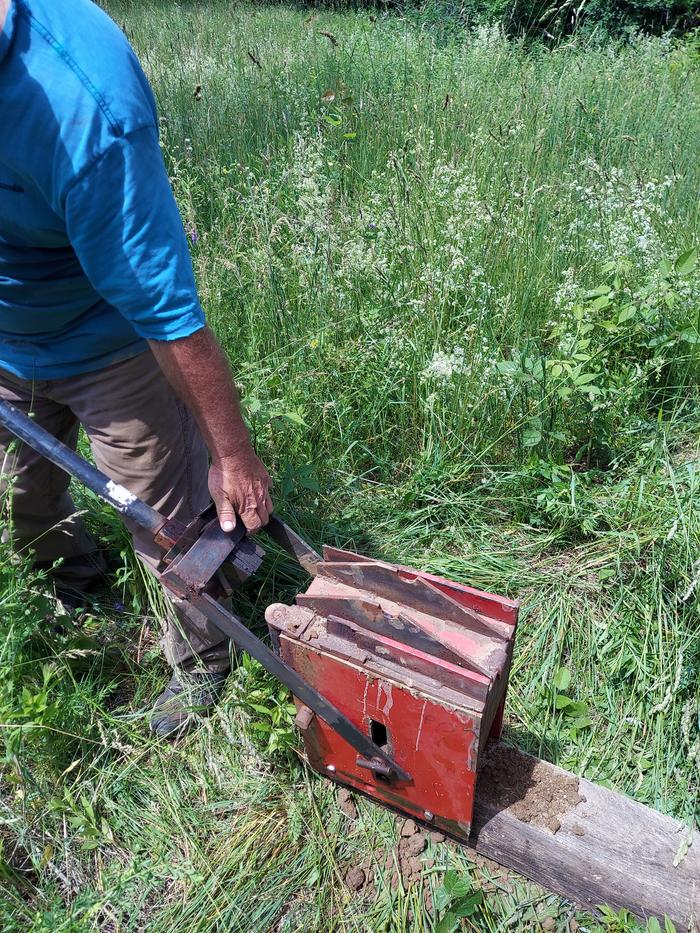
(143, 437)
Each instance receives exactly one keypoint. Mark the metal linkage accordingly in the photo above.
(193, 555)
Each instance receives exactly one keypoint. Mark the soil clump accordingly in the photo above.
(346, 804)
(527, 788)
(404, 864)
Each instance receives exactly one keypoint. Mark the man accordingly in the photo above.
(100, 324)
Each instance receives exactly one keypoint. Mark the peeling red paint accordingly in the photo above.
(438, 702)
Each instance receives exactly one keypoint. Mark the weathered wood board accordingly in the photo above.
(592, 845)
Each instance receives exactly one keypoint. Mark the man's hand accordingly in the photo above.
(197, 369)
(240, 485)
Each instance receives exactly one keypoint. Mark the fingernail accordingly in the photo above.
(227, 526)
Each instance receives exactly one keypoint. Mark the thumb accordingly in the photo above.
(227, 515)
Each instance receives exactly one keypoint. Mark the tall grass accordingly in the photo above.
(456, 282)
(373, 203)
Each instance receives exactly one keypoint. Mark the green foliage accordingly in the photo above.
(268, 705)
(627, 343)
(546, 19)
(621, 349)
(456, 279)
(458, 898)
(622, 921)
(549, 19)
(27, 690)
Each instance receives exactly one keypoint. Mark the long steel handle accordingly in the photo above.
(241, 635)
(130, 506)
(46, 444)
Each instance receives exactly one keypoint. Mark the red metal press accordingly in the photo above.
(418, 663)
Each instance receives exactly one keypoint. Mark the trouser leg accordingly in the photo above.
(42, 515)
(144, 438)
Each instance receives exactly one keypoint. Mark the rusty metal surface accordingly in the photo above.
(169, 534)
(418, 593)
(332, 717)
(192, 570)
(498, 608)
(192, 563)
(398, 685)
(245, 560)
(369, 615)
(303, 718)
(293, 544)
(482, 653)
(380, 654)
(393, 660)
(412, 658)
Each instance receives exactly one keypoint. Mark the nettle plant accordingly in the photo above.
(624, 345)
(619, 351)
(28, 701)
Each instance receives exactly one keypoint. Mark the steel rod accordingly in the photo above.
(242, 636)
(72, 463)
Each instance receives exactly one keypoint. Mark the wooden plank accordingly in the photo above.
(590, 844)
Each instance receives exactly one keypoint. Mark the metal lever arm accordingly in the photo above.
(75, 465)
(166, 533)
(241, 636)
(290, 541)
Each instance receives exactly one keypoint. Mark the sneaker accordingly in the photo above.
(186, 697)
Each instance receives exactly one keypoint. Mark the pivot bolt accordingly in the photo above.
(427, 815)
(331, 768)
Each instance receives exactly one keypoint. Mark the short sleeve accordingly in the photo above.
(126, 230)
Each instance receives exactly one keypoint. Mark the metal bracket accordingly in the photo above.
(240, 635)
(373, 764)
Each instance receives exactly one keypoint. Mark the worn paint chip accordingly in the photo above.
(120, 494)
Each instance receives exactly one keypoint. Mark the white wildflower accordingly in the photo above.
(443, 366)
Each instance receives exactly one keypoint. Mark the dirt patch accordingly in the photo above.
(409, 863)
(510, 780)
(404, 864)
(346, 804)
(529, 789)
(355, 878)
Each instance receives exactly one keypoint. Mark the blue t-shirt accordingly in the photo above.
(93, 255)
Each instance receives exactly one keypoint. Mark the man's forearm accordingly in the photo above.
(197, 369)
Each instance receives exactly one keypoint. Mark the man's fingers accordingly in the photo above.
(240, 496)
(251, 520)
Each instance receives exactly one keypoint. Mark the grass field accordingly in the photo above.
(457, 282)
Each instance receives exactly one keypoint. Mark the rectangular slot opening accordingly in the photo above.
(379, 735)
